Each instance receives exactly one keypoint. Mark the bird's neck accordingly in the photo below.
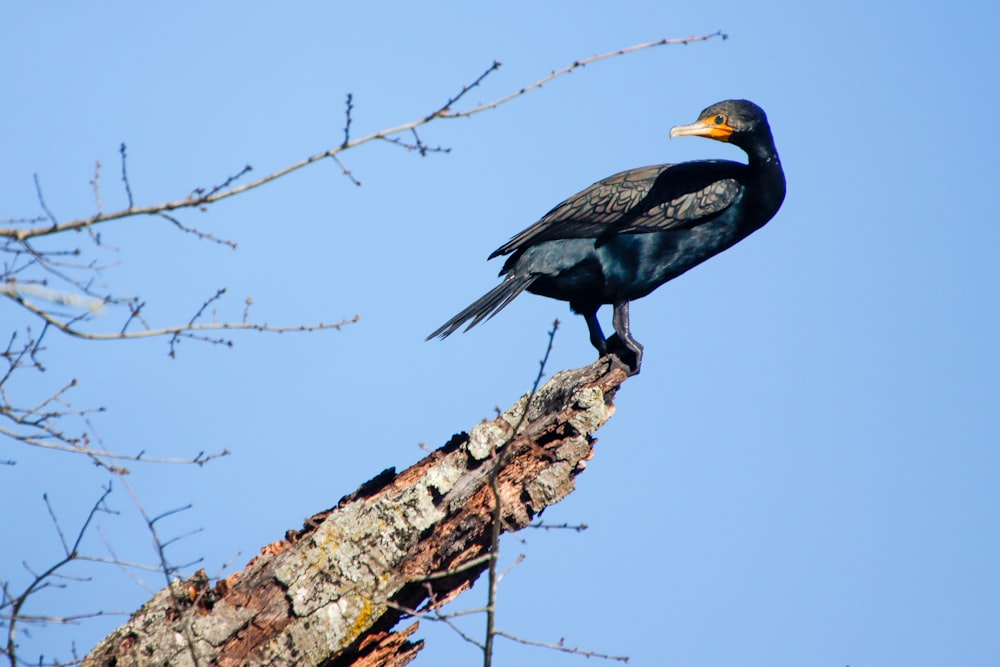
(769, 192)
(762, 152)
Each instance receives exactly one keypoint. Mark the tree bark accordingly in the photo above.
(333, 592)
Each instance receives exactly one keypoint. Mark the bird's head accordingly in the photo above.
(737, 122)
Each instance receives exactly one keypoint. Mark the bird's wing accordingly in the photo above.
(657, 198)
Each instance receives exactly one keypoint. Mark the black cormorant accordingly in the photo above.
(623, 237)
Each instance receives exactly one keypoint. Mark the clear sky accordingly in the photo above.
(804, 473)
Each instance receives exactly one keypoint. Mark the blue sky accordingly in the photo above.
(803, 474)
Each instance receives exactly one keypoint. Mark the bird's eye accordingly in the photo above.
(720, 119)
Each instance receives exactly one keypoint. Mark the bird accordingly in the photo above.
(624, 236)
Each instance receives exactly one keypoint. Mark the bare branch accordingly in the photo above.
(445, 111)
(13, 288)
(65, 445)
(577, 64)
(178, 330)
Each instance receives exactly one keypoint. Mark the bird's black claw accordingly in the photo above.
(630, 358)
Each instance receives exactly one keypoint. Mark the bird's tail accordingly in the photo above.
(487, 305)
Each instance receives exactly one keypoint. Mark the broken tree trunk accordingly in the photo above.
(333, 592)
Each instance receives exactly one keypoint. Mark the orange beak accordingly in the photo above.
(703, 127)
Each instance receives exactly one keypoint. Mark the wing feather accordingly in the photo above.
(647, 199)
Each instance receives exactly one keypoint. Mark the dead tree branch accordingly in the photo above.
(333, 592)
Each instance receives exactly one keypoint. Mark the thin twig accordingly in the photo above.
(128, 187)
(545, 359)
(55, 522)
(349, 107)
(443, 111)
(126, 567)
(208, 236)
(580, 527)
(438, 617)
(517, 561)
(347, 172)
(194, 318)
(468, 565)
(135, 311)
(42, 580)
(417, 145)
(232, 179)
(41, 202)
(561, 647)
(167, 569)
(96, 183)
(497, 527)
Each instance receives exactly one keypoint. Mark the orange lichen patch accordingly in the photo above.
(360, 624)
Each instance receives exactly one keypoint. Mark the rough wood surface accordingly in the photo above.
(330, 593)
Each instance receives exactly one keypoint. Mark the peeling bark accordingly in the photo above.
(329, 594)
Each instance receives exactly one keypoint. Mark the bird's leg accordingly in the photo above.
(594, 326)
(622, 345)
